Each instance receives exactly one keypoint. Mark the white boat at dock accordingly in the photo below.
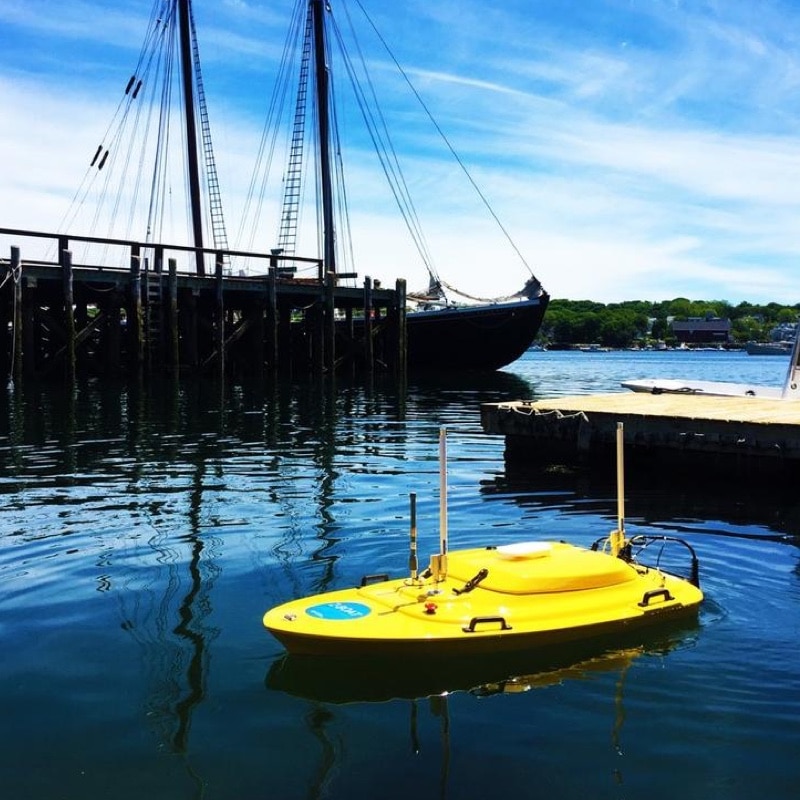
(713, 388)
(789, 391)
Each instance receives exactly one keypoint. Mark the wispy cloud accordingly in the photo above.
(121, 24)
(633, 149)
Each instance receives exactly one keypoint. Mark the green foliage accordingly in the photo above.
(569, 322)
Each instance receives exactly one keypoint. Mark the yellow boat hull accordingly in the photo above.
(492, 601)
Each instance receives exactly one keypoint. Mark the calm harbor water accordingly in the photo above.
(144, 531)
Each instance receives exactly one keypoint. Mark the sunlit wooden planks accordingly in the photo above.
(744, 428)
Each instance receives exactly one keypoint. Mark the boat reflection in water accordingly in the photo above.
(372, 680)
(432, 684)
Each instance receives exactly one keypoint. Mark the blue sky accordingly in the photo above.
(633, 149)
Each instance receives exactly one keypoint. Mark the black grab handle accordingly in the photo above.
(504, 626)
(472, 582)
(648, 596)
(368, 579)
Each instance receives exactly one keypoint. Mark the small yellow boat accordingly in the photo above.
(494, 600)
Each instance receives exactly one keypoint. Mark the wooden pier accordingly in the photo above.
(717, 434)
(160, 312)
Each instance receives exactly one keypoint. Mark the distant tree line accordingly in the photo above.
(569, 322)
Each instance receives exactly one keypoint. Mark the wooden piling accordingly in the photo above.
(190, 353)
(29, 337)
(69, 318)
(154, 295)
(401, 329)
(315, 327)
(285, 340)
(368, 310)
(219, 329)
(329, 322)
(257, 322)
(113, 335)
(173, 357)
(272, 319)
(135, 324)
(16, 324)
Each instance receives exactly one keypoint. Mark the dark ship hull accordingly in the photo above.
(473, 338)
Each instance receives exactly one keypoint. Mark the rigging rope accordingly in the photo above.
(254, 200)
(111, 140)
(216, 220)
(118, 172)
(378, 131)
(445, 139)
(354, 64)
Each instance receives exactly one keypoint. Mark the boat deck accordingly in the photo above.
(741, 430)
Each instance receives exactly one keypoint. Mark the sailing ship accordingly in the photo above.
(442, 334)
(473, 333)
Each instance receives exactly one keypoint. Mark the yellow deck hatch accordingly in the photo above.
(540, 567)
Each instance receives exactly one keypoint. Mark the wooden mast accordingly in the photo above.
(191, 131)
(323, 115)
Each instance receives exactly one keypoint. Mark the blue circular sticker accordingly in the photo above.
(338, 611)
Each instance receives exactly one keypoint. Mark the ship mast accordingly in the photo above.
(323, 116)
(191, 132)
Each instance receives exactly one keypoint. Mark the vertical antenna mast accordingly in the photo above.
(443, 499)
(618, 536)
(412, 556)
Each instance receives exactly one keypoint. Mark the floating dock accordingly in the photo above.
(744, 433)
